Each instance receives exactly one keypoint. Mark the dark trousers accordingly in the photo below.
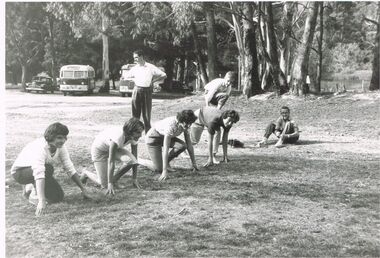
(155, 144)
(271, 129)
(142, 102)
(53, 191)
(219, 99)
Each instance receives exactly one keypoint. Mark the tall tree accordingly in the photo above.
(211, 41)
(320, 49)
(269, 50)
(25, 34)
(300, 67)
(375, 78)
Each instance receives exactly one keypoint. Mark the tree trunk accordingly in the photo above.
(181, 70)
(169, 67)
(105, 63)
(285, 40)
(198, 54)
(320, 53)
(251, 84)
(211, 41)
(239, 41)
(23, 76)
(278, 77)
(375, 83)
(301, 62)
(52, 49)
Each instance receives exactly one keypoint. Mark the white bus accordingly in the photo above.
(76, 78)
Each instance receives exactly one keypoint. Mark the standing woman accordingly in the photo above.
(163, 136)
(35, 165)
(109, 147)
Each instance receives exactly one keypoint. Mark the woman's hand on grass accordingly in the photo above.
(163, 176)
(110, 190)
(136, 184)
(209, 163)
(41, 207)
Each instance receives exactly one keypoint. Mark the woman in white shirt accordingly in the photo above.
(35, 165)
(164, 134)
(109, 147)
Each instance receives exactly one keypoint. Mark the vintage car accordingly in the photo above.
(42, 82)
(126, 85)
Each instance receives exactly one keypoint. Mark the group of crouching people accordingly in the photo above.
(34, 166)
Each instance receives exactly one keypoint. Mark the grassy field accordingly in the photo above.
(317, 198)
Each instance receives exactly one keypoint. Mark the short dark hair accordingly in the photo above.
(133, 125)
(139, 52)
(231, 113)
(285, 107)
(55, 129)
(231, 74)
(186, 116)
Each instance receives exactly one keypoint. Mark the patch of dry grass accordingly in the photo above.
(317, 198)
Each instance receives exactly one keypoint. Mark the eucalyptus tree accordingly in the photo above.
(25, 34)
(241, 18)
(300, 67)
(375, 78)
(188, 16)
(99, 20)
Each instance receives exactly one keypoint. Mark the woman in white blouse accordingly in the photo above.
(108, 147)
(164, 134)
(35, 165)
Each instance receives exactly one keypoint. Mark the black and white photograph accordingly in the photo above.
(190, 129)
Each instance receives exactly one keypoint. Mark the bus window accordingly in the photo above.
(68, 74)
(80, 74)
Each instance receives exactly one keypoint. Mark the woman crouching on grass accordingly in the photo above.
(35, 165)
(164, 134)
(109, 147)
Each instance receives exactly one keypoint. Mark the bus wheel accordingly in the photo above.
(123, 94)
(64, 93)
(129, 94)
(52, 91)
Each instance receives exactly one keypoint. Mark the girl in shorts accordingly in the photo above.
(163, 136)
(108, 147)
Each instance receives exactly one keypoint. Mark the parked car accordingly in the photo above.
(42, 82)
(126, 85)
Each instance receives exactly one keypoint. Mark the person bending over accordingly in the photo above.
(284, 128)
(213, 119)
(109, 147)
(163, 136)
(218, 90)
(35, 165)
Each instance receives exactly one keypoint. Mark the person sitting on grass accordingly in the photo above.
(109, 147)
(284, 128)
(35, 165)
(164, 134)
(218, 90)
(213, 119)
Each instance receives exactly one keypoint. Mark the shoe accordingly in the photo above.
(279, 144)
(27, 190)
(33, 199)
(262, 143)
(83, 178)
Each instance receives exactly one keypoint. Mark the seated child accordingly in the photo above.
(285, 129)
